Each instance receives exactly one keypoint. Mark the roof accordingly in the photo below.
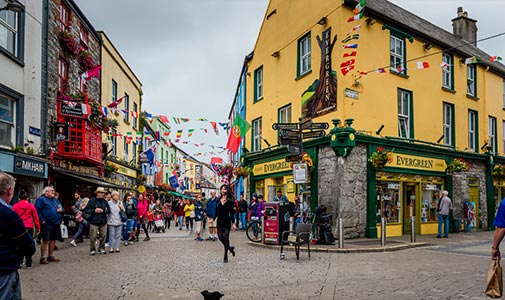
(402, 19)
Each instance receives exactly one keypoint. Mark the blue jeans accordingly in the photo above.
(243, 220)
(443, 219)
(181, 219)
(80, 229)
(114, 235)
(127, 229)
(10, 286)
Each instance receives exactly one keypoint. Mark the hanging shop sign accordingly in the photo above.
(71, 111)
(61, 132)
(76, 168)
(405, 161)
(29, 167)
(275, 166)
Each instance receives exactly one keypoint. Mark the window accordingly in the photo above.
(82, 84)
(135, 108)
(472, 131)
(449, 124)
(304, 55)
(134, 153)
(114, 90)
(388, 203)
(258, 84)
(62, 75)
(447, 71)
(113, 139)
(503, 135)
(397, 54)
(84, 37)
(6, 121)
(64, 17)
(431, 194)
(492, 134)
(405, 121)
(9, 30)
(126, 101)
(503, 93)
(125, 150)
(256, 135)
(285, 114)
(470, 81)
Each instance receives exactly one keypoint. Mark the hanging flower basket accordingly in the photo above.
(499, 172)
(84, 59)
(68, 43)
(242, 171)
(380, 158)
(457, 165)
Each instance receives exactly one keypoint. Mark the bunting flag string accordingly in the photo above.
(349, 64)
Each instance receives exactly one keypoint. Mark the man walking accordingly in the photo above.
(444, 206)
(49, 210)
(242, 209)
(14, 241)
(210, 212)
(199, 212)
(96, 212)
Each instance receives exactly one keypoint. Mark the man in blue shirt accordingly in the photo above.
(210, 212)
(280, 197)
(499, 222)
(14, 241)
(49, 210)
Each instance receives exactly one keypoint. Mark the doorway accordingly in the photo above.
(473, 211)
(410, 199)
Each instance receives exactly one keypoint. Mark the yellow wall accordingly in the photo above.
(115, 68)
(377, 103)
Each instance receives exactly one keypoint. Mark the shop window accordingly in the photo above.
(447, 71)
(471, 83)
(304, 55)
(431, 194)
(6, 121)
(388, 203)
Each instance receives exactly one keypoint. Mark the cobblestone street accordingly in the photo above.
(174, 266)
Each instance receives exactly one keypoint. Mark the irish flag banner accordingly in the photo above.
(238, 130)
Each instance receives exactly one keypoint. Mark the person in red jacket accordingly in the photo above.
(28, 213)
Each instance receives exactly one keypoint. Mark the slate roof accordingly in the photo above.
(410, 23)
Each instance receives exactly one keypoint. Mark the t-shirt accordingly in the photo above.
(499, 220)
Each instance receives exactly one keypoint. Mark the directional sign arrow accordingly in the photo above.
(293, 158)
(288, 141)
(279, 126)
(290, 134)
(306, 124)
(318, 126)
(313, 134)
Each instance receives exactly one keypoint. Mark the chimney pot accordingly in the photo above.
(465, 27)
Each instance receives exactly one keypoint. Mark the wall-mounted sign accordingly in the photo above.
(417, 162)
(124, 170)
(72, 111)
(351, 94)
(61, 132)
(34, 131)
(76, 168)
(29, 167)
(300, 173)
(279, 165)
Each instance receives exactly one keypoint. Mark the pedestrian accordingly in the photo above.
(167, 212)
(499, 222)
(114, 223)
(260, 209)
(444, 207)
(82, 224)
(96, 213)
(130, 210)
(28, 213)
(14, 241)
(180, 213)
(210, 212)
(49, 210)
(280, 197)
(108, 197)
(150, 213)
(237, 214)
(189, 214)
(199, 212)
(204, 203)
(142, 209)
(225, 215)
(242, 209)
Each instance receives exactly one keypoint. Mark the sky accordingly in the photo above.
(188, 54)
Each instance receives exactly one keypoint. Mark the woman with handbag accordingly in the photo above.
(28, 213)
(142, 209)
(189, 214)
(80, 219)
(115, 221)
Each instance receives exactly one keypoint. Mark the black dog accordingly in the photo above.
(211, 295)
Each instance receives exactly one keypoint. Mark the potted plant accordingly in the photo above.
(68, 44)
(109, 168)
(380, 158)
(498, 172)
(241, 171)
(457, 165)
(84, 59)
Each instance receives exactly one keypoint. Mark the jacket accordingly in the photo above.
(114, 219)
(260, 209)
(93, 217)
(199, 211)
(242, 206)
(210, 210)
(188, 209)
(142, 208)
(48, 210)
(131, 210)
(445, 206)
(167, 210)
(28, 213)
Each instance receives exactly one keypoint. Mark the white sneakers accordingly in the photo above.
(72, 242)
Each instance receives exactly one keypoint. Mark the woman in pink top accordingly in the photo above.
(28, 214)
(142, 208)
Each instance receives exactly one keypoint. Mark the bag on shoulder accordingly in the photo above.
(192, 214)
(122, 215)
(78, 216)
(494, 283)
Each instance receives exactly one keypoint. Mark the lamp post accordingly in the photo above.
(13, 6)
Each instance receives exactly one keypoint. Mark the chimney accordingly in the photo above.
(464, 27)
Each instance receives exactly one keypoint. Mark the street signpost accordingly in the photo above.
(306, 124)
(292, 158)
(291, 134)
(294, 149)
(315, 126)
(313, 134)
(288, 141)
(287, 126)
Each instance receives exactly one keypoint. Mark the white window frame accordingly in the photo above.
(404, 119)
(396, 60)
(114, 90)
(285, 114)
(305, 55)
(134, 119)
(126, 101)
(447, 71)
(492, 134)
(472, 130)
(125, 149)
(113, 139)
(259, 83)
(12, 107)
(503, 87)
(448, 123)
(503, 135)
(6, 29)
(134, 153)
(471, 87)
(256, 134)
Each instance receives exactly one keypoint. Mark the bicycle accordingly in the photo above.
(254, 230)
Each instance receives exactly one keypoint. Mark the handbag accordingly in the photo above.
(122, 215)
(78, 216)
(494, 287)
(64, 231)
(192, 214)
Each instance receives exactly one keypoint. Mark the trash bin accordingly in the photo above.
(456, 225)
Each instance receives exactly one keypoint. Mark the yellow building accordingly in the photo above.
(120, 85)
(410, 87)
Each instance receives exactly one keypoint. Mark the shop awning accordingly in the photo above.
(179, 195)
(94, 180)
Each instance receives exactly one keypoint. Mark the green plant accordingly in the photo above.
(380, 158)
(498, 171)
(109, 168)
(457, 165)
(241, 171)
(68, 43)
(30, 150)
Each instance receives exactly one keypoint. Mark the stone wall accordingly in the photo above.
(460, 191)
(342, 188)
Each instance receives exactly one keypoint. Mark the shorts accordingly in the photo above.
(50, 232)
(198, 227)
(211, 223)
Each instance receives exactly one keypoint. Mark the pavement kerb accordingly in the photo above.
(387, 248)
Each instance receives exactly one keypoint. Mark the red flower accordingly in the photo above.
(380, 149)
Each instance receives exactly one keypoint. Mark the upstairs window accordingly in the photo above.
(503, 89)
(473, 139)
(64, 17)
(492, 135)
(125, 150)
(304, 55)
(126, 101)
(256, 135)
(6, 121)
(447, 71)
(397, 54)
(405, 120)
(84, 37)
(449, 124)
(285, 114)
(62, 75)
(9, 30)
(114, 91)
(471, 84)
(258, 84)
(135, 108)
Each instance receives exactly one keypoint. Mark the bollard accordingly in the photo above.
(340, 233)
(412, 229)
(383, 232)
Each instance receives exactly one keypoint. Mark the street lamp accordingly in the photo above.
(14, 6)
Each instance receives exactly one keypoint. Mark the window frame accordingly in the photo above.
(113, 139)
(503, 88)
(503, 135)
(471, 80)
(473, 133)
(126, 101)
(304, 44)
(258, 85)
(491, 133)
(134, 119)
(393, 55)
(449, 125)
(114, 90)
(9, 123)
(405, 120)
(62, 75)
(63, 17)
(134, 153)
(125, 149)
(84, 37)
(285, 109)
(448, 72)
(257, 125)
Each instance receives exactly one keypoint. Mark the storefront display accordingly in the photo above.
(431, 194)
(388, 201)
